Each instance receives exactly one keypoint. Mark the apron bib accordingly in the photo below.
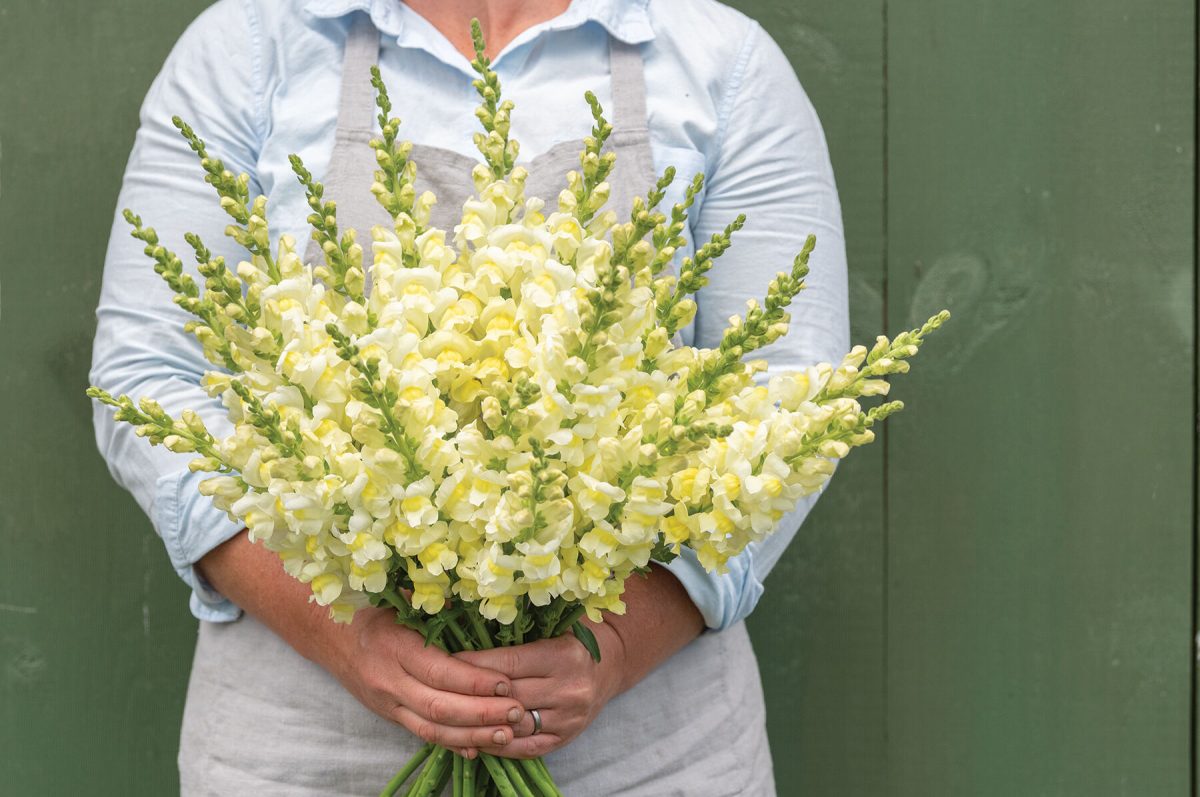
(260, 719)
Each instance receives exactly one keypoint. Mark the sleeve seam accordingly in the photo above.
(733, 89)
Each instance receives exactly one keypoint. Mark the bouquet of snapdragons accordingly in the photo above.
(503, 429)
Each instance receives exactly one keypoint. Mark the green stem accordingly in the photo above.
(430, 778)
(518, 634)
(499, 777)
(540, 765)
(444, 773)
(516, 777)
(550, 617)
(457, 631)
(415, 787)
(482, 636)
(565, 624)
(396, 782)
(540, 776)
(457, 788)
(468, 782)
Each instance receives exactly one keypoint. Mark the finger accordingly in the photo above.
(551, 720)
(451, 708)
(439, 670)
(540, 693)
(527, 747)
(531, 660)
(495, 737)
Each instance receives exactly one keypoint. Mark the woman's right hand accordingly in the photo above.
(387, 667)
(441, 699)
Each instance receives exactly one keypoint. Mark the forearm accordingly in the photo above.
(385, 666)
(660, 619)
(254, 579)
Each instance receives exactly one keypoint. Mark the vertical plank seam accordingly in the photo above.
(1194, 641)
(886, 586)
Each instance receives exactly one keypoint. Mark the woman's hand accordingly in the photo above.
(437, 697)
(559, 678)
(384, 665)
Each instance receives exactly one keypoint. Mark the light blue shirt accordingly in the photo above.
(259, 79)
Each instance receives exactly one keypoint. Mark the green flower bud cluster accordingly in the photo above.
(250, 229)
(497, 149)
(224, 289)
(506, 415)
(885, 358)
(631, 254)
(539, 487)
(394, 181)
(674, 310)
(686, 426)
(380, 394)
(343, 269)
(602, 310)
(760, 326)
(214, 316)
(285, 436)
(849, 430)
(644, 464)
(588, 186)
(185, 435)
(628, 241)
(668, 238)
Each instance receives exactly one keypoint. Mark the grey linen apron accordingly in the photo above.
(262, 720)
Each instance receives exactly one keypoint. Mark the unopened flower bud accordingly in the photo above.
(206, 464)
(180, 445)
(834, 449)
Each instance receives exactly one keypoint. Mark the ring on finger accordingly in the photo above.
(537, 721)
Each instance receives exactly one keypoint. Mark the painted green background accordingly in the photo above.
(995, 600)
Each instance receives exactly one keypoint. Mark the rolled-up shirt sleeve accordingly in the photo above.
(211, 80)
(772, 164)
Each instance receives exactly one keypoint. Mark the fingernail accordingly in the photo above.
(502, 689)
(499, 737)
(514, 715)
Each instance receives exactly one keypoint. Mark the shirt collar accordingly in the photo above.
(625, 20)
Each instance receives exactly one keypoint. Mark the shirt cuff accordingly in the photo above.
(722, 598)
(190, 527)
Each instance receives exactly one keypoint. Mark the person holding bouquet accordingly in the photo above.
(283, 701)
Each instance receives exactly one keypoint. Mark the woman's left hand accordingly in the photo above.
(559, 678)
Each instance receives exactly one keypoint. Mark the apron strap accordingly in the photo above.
(356, 107)
(628, 85)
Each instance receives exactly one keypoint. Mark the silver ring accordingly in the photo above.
(537, 721)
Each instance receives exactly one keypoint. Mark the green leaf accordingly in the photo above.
(585, 635)
(662, 553)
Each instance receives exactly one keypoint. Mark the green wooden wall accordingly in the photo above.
(997, 599)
